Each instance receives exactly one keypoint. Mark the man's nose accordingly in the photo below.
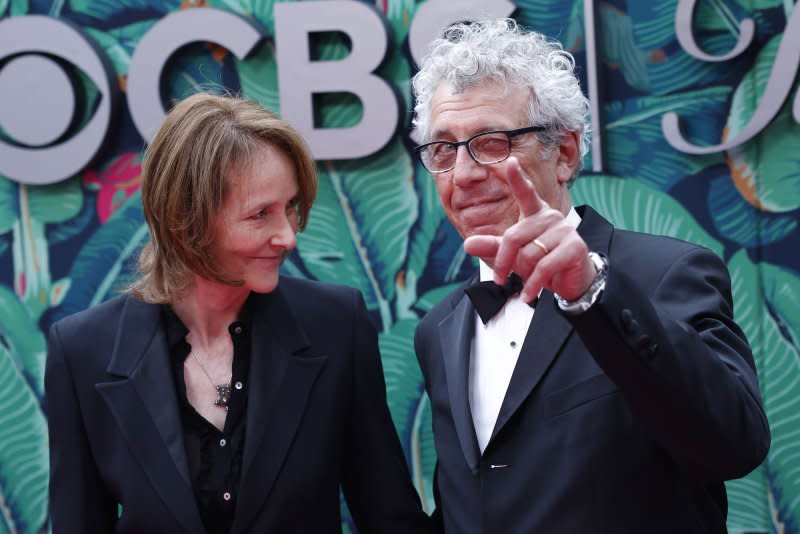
(466, 169)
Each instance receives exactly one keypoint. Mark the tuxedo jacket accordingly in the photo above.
(317, 418)
(625, 418)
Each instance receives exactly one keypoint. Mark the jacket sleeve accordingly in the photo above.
(421, 335)
(79, 502)
(376, 480)
(682, 363)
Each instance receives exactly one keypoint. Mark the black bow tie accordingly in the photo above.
(489, 298)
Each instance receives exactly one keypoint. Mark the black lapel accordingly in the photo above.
(145, 406)
(455, 335)
(595, 230)
(549, 330)
(281, 380)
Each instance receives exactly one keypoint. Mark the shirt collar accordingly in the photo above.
(486, 272)
(177, 331)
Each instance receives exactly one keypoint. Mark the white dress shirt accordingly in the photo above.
(494, 353)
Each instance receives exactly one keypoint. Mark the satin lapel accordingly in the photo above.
(281, 379)
(546, 335)
(595, 230)
(455, 335)
(548, 330)
(145, 406)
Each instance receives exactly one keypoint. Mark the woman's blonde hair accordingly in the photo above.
(184, 182)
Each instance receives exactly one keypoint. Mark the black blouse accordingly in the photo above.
(215, 458)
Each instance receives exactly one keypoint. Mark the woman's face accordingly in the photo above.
(258, 223)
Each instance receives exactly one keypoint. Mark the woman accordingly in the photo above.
(217, 396)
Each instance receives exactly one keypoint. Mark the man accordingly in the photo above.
(625, 398)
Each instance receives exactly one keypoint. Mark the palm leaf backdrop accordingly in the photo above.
(378, 225)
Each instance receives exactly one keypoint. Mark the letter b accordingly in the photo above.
(299, 78)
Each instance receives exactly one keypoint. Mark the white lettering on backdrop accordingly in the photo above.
(35, 52)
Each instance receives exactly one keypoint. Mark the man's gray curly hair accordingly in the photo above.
(471, 53)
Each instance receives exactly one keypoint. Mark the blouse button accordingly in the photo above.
(226, 496)
(238, 384)
(222, 442)
(238, 329)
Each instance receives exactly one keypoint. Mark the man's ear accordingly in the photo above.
(569, 154)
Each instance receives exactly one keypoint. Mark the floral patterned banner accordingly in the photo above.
(378, 225)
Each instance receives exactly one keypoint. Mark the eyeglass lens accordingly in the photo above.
(485, 149)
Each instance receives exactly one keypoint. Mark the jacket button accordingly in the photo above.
(629, 324)
(647, 346)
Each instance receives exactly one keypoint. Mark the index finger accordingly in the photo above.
(528, 199)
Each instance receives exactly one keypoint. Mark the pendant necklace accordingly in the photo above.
(223, 390)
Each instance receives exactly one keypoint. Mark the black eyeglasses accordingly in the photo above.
(485, 148)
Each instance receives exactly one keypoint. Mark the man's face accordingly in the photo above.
(477, 198)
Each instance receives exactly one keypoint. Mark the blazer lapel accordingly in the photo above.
(545, 337)
(595, 230)
(455, 335)
(281, 380)
(145, 405)
(549, 330)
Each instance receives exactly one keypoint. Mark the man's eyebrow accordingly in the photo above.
(437, 135)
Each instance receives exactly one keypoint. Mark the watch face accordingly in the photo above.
(583, 302)
(599, 261)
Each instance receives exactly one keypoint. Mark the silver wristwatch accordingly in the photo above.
(582, 303)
